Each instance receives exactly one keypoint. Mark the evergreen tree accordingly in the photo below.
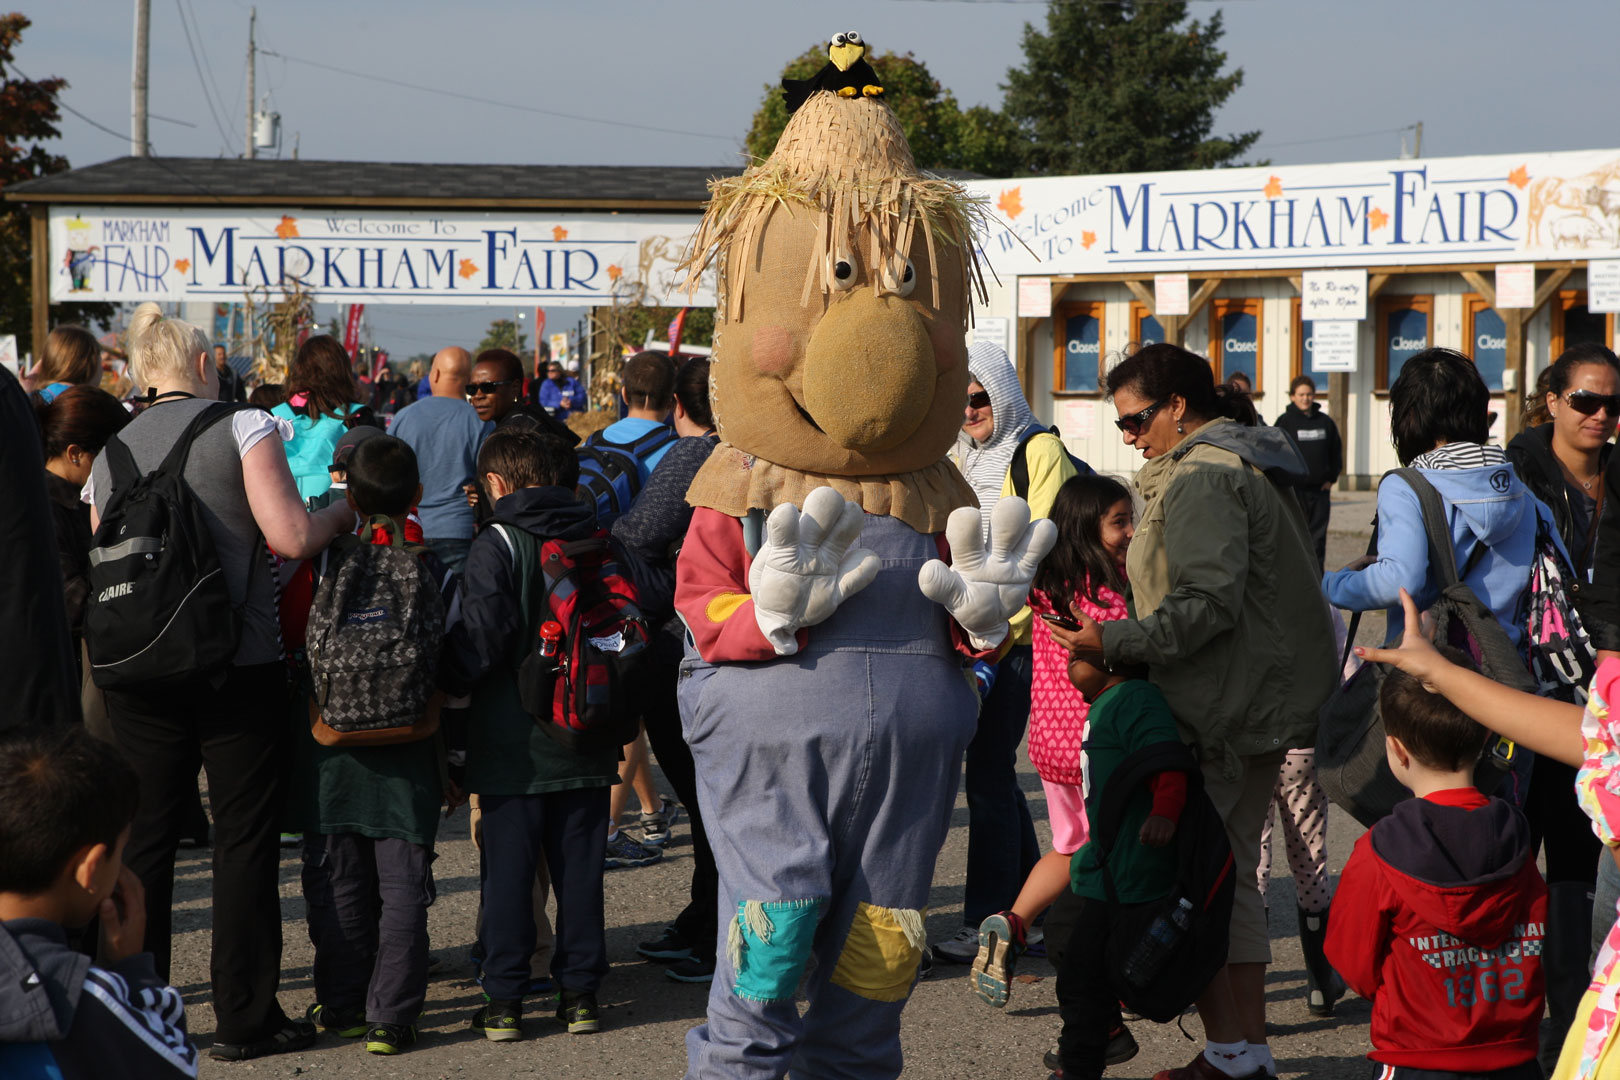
(1122, 86)
(28, 118)
(942, 134)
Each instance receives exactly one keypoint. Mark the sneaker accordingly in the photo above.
(1121, 1048)
(925, 965)
(390, 1038)
(960, 948)
(291, 839)
(500, 1021)
(1035, 942)
(578, 1010)
(671, 945)
(1201, 1068)
(344, 1023)
(997, 958)
(691, 970)
(294, 1035)
(624, 852)
(656, 825)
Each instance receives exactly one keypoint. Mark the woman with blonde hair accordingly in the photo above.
(232, 724)
(71, 356)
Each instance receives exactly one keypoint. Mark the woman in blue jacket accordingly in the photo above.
(322, 394)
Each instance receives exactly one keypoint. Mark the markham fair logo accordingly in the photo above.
(1408, 207)
(338, 255)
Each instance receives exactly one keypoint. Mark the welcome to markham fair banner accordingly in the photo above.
(1441, 210)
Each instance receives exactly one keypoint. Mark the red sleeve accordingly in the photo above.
(297, 593)
(1169, 794)
(711, 591)
(1358, 931)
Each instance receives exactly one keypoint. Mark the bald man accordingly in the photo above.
(445, 432)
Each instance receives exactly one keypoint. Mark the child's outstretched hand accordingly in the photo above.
(1157, 831)
(1417, 655)
(123, 919)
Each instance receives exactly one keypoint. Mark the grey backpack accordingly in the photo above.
(375, 628)
(1350, 759)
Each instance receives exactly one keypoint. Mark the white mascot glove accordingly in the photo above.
(806, 566)
(983, 590)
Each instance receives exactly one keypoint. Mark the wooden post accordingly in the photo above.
(41, 235)
(1513, 320)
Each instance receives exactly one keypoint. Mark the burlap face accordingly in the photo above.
(840, 376)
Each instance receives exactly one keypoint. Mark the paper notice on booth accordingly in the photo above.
(1336, 295)
(1034, 297)
(1334, 344)
(1169, 294)
(1515, 286)
(1603, 285)
(8, 354)
(993, 330)
(1077, 419)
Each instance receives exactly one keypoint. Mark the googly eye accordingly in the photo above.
(841, 273)
(900, 279)
(853, 38)
(839, 39)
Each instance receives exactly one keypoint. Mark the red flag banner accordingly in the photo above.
(351, 332)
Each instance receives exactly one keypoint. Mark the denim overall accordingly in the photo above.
(829, 778)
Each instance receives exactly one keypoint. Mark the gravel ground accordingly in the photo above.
(947, 1031)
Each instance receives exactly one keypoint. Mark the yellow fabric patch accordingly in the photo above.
(724, 606)
(880, 956)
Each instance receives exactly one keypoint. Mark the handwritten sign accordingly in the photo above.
(1169, 294)
(1603, 285)
(992, 329)
(1334, 344)
(1034, 297)
(1333, 295)
(1077, 419)
(1515, 285)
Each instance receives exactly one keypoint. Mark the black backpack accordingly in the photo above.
(1020, 461)
(1350, 759)
(159, 612)
(610, 473)
(1206, 881)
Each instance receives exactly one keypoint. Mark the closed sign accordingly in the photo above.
(1407, 332)
(1489, 347)
(1083, 345)
(1240, 344)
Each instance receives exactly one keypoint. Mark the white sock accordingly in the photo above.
(1233, 1059)
(612, 836)
(1261, 1053)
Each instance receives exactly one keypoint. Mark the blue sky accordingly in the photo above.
(1323, 81)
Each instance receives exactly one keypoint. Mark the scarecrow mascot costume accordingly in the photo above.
(824, 692)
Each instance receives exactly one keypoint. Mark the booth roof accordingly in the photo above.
(237, 182)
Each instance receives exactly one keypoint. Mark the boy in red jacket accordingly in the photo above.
(1440, 911)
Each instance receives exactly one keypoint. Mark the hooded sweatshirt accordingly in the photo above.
(1485, 503)
(59, 1011)
(1318, 439)
(1438, 920)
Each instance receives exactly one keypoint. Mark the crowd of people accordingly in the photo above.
(1188, 607)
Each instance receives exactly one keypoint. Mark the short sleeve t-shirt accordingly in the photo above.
(445, 433)
(1124, 719)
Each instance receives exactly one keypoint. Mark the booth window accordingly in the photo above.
(1234, 338)
(1404, 328)
(1302, 361)
(1077, 350)
(1574, 323)
(1145, 329)
(1485, 339)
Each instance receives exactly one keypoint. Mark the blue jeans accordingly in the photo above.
(1606, 901)
(451, 551)
(1002, 848)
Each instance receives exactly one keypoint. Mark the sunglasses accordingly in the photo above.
(979, 400)
(1587, 403)
(476, 388)
(1135, 422)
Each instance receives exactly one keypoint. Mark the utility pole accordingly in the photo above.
(253, 17)
(1417, 148)
(143, 36)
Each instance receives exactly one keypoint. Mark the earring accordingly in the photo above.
(1179, 429)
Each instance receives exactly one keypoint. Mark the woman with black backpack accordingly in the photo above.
(217, 697)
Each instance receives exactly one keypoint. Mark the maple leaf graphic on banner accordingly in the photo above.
(1273, 187)
(1376, 218)
(182, 265)
(288, 227)
(1519, 177)
(1010, 203)
(1087, 238)
(559, 234)
(614, 273)
(468, 268)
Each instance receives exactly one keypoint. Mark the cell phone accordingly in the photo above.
(1060, 620)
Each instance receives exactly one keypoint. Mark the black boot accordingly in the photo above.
(1322, 984)
(1565, 961)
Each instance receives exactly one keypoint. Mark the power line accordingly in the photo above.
(99, 126)
(207, 63)
(498, 104)
(207, 97)
(1333, 138)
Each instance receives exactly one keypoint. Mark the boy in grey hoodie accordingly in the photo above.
(66, 803)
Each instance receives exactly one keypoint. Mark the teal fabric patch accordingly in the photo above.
(770, 946)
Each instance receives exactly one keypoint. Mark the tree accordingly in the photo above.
(942, 134)
(503, 334)
(28, 118)
(1122, 86)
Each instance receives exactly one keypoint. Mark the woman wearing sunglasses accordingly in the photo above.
(1562, 461)
(1233, 629)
